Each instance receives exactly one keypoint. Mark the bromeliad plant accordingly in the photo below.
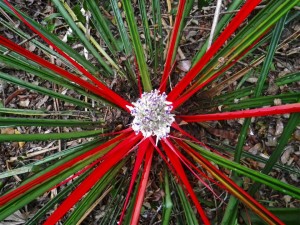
(91, 172)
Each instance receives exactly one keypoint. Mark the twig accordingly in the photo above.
(215, 21)
(13, 95)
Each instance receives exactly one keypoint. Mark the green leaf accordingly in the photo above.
(50, 136)
(7, 121)
(255, 175)
(92, 195)
(168, 205)
(61, 7)
(289, 216)
(53, 38)
(30, 167)
(137, 45)
(43, 90)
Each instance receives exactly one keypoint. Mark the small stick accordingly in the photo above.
(215, 21)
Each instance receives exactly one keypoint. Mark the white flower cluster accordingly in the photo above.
(152, 115)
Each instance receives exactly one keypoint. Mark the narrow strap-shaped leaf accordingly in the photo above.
(263, 101)
(56, 170)
(103, 92)
(126, 44)
(243, 170)
(60, 6)
(112, 158)
(286, 134)
(116, 98)
(142, 6)
(137, 45)
(46, 74)
(54, 39)
(36, 43)
(143, 183)
(60, 196)
(234, 189)
(50, 136)
(121, 27)
(36, 191)
(101, 26)
(282, 109)
(9, 121)
(202, 83)
(32, 166)
(232, 26)
(138, 162)
(171, 47)
(43, 90)
(223, 21)
(83, 206)
(195, 171)
(157, 32)
(168, 205)
(93, 41)
(182, 176)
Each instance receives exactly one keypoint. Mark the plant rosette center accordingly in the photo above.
(152, 115)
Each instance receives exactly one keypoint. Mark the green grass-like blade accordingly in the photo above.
(221, 24)
(168, 205)
(81, 36)
(157, 32)
(8, 121)
(102, 27)
(47, 137)
(43, 90)
(92, 195)
(33, 68)
(29, 196)
(255, 175)
(59, 197)
(137, 45)
(282, 142)
(43, 47)
(290, 216)
(53, 38)
(38, 164)
(142, 7)
(186, 206)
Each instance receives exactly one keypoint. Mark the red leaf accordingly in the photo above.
(138, 161)
(192, 167)
(143, 184)
(111, 158)
(114, 98)
(229, 30)
(282, 109)
(233, 188)
(196, 87)
(182, 176)
(170, 52)
(39, 180)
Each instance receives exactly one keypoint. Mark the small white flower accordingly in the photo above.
(152, 115)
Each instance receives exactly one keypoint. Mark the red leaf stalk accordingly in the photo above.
(143, 183)
(282, 109)
(115, 97)
(167, 146)
(196, 87)
(113, 157)
(233, 188)
(229, 30)
(172, 44)
(138, 162)
(43, 178)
